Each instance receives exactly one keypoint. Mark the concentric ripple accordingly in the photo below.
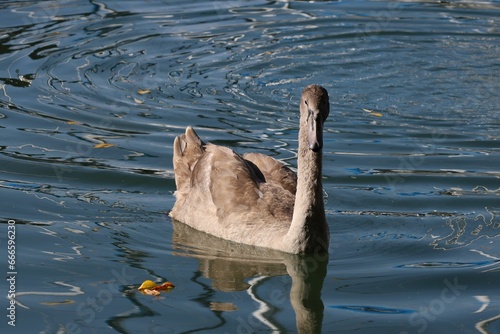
(92, 94)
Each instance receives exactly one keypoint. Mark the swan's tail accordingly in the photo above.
(188, 149)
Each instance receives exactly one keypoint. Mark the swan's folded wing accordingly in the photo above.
(273, 171)
(233, 183)
(188, 149)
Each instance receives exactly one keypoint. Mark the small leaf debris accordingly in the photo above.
(103, 145)
(150, 288)
(373, 112)
(143, 91)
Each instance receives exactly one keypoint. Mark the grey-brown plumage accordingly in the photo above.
(255, 199)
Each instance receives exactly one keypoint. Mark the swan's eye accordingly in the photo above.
(307, 104)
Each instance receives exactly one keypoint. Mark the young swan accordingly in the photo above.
(254, 199)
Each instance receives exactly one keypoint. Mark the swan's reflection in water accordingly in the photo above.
(236, 267)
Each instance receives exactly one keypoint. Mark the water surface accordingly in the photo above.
(93, 93)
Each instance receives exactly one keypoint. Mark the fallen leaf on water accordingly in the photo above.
(73, 122)
(165, 286)
(372, 112)
(149, 287)
(139, 101)
(103, 145)
(144, 91)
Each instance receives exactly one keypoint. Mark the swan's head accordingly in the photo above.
(314, 109)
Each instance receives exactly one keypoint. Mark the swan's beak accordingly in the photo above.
(315, 131)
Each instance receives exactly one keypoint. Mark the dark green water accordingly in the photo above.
(92, 94)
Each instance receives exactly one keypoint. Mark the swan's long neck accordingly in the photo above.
(308, 231)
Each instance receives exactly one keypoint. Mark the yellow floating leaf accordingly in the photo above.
(147, 284)
(151, 288)
(103, 145)
(372, 112)
(144, 91)
(73, 122)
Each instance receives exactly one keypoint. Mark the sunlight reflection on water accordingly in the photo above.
(93, 93)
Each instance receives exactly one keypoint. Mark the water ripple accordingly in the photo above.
(92, 94)
(372, 309)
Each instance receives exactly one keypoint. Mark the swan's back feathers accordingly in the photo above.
(273, 171)
(237, 189)
(217, 179)
(233, 184)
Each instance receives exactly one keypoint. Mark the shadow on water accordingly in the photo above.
(236, 267)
